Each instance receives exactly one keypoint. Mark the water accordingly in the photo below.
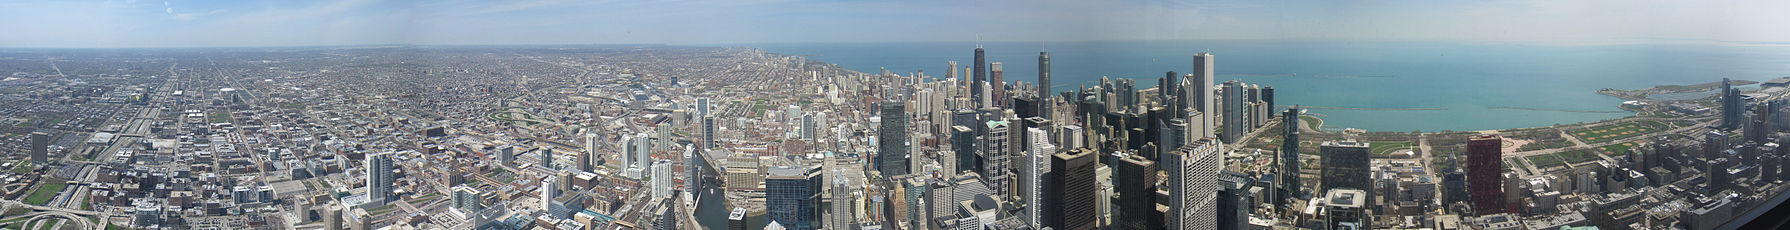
(1466, 79)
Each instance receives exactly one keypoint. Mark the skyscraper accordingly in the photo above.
(1135, 182)
(1233, 112)
(1072, 187)
(1731, 106)
(792, 196)
(40, 147)
(546, 153)
(702, 107)
(591, 141)
(1288, 161)
(1345, 165)
(1199, 88)
(963, 144)
(708, 132)
(662, 180)
(1193, 184)
(1234, 200)
(1033, 165)
(466, 199)
(998, 85)
(981, 80)
(891, 143)
(995, 154)
(1044, 98)
(1484, 182)
(379, 177)
(507, 155)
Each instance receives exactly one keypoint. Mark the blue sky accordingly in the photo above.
(176, 23)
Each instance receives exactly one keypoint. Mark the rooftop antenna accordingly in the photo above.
(978, 41)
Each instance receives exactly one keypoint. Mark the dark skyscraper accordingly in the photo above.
(998, 85)
(1044, 101)
(1233, 201)
(792, 196)
(1484, 180)
(40, 147)
(981, 76)
(891, 144)
(1136, 187)
(1345, 165)
(1289, 159)
(1233, 112)
(1073, 186)
(1730, 106)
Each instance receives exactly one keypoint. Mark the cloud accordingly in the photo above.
(191, 16)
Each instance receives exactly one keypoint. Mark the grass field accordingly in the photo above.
(45, 191)
(1386, 147)
(1544, 161)
(1617, 149)
(1618, 131)
(1577, 156)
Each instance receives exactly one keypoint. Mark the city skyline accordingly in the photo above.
(164, 24)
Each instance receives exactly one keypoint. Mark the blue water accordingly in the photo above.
(1465, 79)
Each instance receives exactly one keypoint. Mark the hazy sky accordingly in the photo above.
(147, 23)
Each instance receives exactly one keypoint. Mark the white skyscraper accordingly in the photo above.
(661, 181)
(1199, 85)
(1193, 184)
(379, 178)
(1037, 162)
(627, 155)
(643, 155)
(549, 190)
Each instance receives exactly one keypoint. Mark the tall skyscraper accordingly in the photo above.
(379, 178)
(708, 132)
(40, 147)
(1731, 106)
(981, 80)
(694, 163)
(999, 85)
(1035, 162)
(1484, 182)
(643, 156)
(1233, 112)
(662, 180)
(1071, 188)
(591, 150)
(546, 153)
(1345, 165)
(951, 71)
(1193, 184)
(1044, 97)
(996, 154)
(891, 143)
(963, 145)
(1234, 201)
(1199, 88)
(702, 107)
(1288, 180)
(549, 190)
(1135, 182)
(507, 155)
(792, 196)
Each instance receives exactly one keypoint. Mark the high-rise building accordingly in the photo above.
(591, 141)
(1288, 180)
(662, 180)
(332, 217)
(1345, 165)
(466, 200)
(808, 127)
(379, 178)
(1731, 106)
(1345, 209)
(1268, 97)
(708, 132)
(1071, 188)
(1135, 182)
(1044, 98)
(963, 146)
(1233, 112)
(891, 143)
(507, 155)
(1198, 86)
(1484, 182)
(546, 153)
(549, 190)
(981, 81)
(998, 85)
(1234, 200)
(702, 107)
(40, 147)
(996, 154)
(1193, 184)
(792, 196)
(1033, 165)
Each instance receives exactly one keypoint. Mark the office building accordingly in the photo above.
(40, 147)
(1346, 209)
(1044, 97)
(507, 155)
(1345, 165)
(1731, 106)
(1484, 180)
(997, 85)
(979, 84)
(546, 153)
(379, 178)
(1192, 184)
(1135, 182)
(708, 132)
(1288, 160)
(891, 143)
(661, 183)
(466, 200)
(1071, 188)
(792, 196)
(1198, 87)
(1234, 200)
(996, 155)
(590, 151)
(1233, 112)
(963, 146)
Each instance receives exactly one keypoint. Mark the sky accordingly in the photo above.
(263, 23)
